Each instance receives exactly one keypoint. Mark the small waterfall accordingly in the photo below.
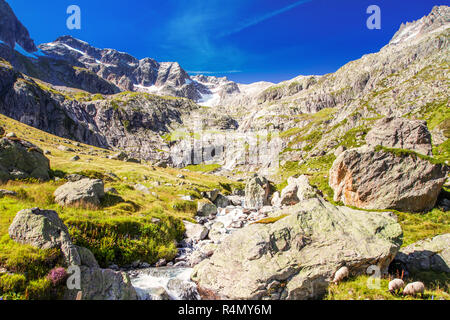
(176, 282)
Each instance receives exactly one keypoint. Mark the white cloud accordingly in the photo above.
(262, 18)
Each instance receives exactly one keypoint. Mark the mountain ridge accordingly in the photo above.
(12, 31)
(119, 106)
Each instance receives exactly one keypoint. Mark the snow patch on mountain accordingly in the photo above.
(411, 32)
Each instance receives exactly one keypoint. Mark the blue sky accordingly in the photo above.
(245, 40)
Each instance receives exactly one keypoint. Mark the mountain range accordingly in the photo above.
(161, 185)
(110, 99)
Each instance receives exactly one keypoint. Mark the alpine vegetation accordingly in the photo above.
(130, 179)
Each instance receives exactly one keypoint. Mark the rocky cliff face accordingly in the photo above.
(12, 30)
(435, 22)
(315, 115)
(131, 74)
(130, 121)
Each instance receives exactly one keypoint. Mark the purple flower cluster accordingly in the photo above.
(57, 276)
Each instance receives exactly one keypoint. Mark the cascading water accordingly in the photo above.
(175, 282)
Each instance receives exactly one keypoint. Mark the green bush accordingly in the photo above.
(12, 283)
(40, 290)
(125, 240)
(32, 262)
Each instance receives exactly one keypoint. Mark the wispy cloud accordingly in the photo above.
(214, 72)
(262, 18)
(192, 31)
(195, 31)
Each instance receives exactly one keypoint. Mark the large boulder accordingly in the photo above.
(45, 230)
(20, 159)
(296, 256)
(103, 284)
(401, 133)
(257, 191)
(222, 201)
(298, 189)
(376, 178)
(195, 231)
(84, 193)
(206, 208)
(427, 255)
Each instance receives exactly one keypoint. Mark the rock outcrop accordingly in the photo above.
(12, 30)
(257, 191)
(194, 231)
(427, 255)
(297, 190)
(20, 159)
(103, 284)
(374, 178)
(296, 256)
(45, 230)
(84, 193)
(206, 208)
(401, 133)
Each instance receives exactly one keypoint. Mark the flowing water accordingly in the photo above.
(175, 281)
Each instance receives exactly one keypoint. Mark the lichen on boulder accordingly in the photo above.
(20, 159)
(375, 178)
(257, 191)
(296, 256)
(85, 193)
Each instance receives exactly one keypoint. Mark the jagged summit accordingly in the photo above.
(438, 20)
(12, 30)
(132, 74)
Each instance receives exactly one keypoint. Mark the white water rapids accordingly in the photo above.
(149, 281)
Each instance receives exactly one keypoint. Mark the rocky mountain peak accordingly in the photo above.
(12, 31)
(145, 75)
(438, 20)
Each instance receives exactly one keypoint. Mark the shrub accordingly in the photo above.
(34, 263)
(39, 290)
(22, 194)
(125, 240)
(12, 283)
(57, 276)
